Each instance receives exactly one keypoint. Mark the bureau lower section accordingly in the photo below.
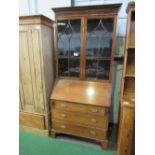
(81, 120)
(78, 130)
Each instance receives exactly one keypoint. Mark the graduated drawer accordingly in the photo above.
(80, 107)
(76, 117)
(83, 131)
(32, 120)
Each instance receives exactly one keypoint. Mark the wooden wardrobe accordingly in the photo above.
(127, 96)
(85, 40)
(36, 72)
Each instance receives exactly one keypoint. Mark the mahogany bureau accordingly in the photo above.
(85, 39)
(81, 108)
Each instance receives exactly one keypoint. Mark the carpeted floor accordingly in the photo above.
(31, 144)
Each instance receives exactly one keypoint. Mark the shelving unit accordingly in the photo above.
(128, 77)
(127, 95)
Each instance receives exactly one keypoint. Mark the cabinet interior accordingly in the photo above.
(129, 87)
(132, 30)
(130, 66)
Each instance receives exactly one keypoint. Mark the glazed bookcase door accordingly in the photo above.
(98, 48)
(68, 44)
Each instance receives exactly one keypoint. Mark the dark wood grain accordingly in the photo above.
(87, 10)
(78, 91)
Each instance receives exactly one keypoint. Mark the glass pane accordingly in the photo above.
(91, 66)
(103, 70)
(99, 37)
(75, 39)
(69, 37)
(74, 67)
(63, 67)
(63, 44)
(99, 45)
(69, 43)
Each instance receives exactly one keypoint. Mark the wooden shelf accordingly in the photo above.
(130, 47)
(129, 86)
(98, 58)
(66, 57)
(63, 57)
(128, 103)
(129, 94)
(128, 99)
(130, 70)
(132, 40)
(130, 75)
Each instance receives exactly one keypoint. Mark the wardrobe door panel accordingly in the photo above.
(26, 84)
(38, 68)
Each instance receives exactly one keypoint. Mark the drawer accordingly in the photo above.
(76, 117)
(80, 107)
(78, 130)
(32, 120)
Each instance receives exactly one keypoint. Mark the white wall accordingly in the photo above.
(94, 2)
(31, 7)
(24, 7)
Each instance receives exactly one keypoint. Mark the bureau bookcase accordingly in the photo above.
(36, 72)
(127, 96)
(85, 40)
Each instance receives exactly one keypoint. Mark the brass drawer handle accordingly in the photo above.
(63, 126)
(94, 110)
(93, 120)
(63, 105)
(63, 115)
(92, 132)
